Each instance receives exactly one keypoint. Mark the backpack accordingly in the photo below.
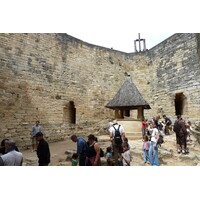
(117, 137)
(177, 127)
(160, 140)
(101, 152)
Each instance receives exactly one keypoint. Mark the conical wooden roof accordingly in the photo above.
(128, 97)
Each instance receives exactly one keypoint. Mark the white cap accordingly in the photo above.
(114, 121)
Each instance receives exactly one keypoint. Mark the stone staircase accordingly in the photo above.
(132, 129)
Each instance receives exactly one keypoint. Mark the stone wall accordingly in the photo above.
(177, 71)
(41, 75)
(170, 68)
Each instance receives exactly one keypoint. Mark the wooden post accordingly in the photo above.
(117, 114)
(144, 42)
(135, 46)
(122, 114)
(139, 40)
(140, 113)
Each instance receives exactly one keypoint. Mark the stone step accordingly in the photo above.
(131, 126)
(131, 133)
(133, 136)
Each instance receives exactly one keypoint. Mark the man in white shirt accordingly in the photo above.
(117, 136)
(12, 157)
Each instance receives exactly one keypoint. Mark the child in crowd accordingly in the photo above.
(145, 148)
(187, 125)
(126, 156)
(74, 159)
(126, 141)
(109, 156)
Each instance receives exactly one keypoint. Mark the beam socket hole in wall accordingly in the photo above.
(72, 112)
(179, 103)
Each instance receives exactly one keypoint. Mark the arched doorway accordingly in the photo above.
(179, 103)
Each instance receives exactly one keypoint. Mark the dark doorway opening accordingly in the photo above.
(127, 113)
(72, 112)
(179, 103)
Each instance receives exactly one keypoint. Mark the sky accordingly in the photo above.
(121, 41)
(109, 23)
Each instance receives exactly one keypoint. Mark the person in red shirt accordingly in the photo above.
(143, 128)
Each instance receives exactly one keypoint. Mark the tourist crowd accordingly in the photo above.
(155, 129)
(89, 153)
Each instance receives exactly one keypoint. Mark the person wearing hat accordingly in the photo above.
(117, 136)
(43, 151)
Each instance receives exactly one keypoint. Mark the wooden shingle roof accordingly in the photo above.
(128, 97)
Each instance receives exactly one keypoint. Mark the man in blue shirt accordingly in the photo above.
(82, 148)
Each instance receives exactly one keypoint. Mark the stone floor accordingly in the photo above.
(62, 151)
